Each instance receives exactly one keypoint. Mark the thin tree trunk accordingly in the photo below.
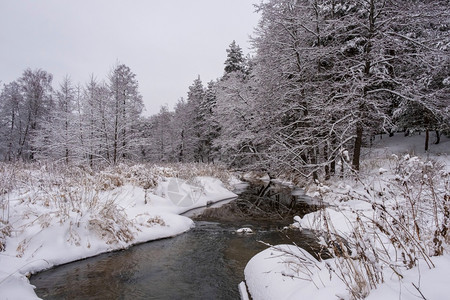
(357, 148)
(438, 137)
(180, 155)
(314, 162)
(327, 167)
(67, 139)
(124, 130)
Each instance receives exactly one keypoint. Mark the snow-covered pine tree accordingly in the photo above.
(193, 134)
(210, 126)
(235, 59)
(180, 126)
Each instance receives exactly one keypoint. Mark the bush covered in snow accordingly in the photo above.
(69, 192)
(381, 225)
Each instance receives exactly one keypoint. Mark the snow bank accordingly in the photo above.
(51, 225)
(381, 227)
(288, 272)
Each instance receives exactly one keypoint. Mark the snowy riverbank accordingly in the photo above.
(52, 221)
(387, 228)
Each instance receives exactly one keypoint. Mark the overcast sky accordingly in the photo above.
(166, 43)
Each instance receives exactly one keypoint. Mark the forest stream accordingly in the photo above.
(206, 262)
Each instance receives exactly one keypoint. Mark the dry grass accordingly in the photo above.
(69, 193)
(408, 223)
(111, 224)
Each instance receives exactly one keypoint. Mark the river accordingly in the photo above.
(205, 263)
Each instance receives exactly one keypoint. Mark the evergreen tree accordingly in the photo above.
(210, 125)
(193, 148)
(235, 59)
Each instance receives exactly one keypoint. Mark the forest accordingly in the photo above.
(325, 77)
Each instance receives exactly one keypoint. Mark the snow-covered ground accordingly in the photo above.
(49, 224)
(386, 228)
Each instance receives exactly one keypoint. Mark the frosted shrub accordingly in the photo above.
(7, 182)
(5, 231)
(111, 224)
(188, 172)
(409, 221)
(79, 197)
(358, 261)
(420, 210)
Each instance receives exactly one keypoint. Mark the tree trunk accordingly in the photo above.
(333, 161)
(314, 162)
(116, 137)
(327, 167)
(181, 154)
(357, 148)
(427, 138)
(124, 129)
(67, 138)
(438, 137)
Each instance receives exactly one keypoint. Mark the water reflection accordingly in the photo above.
(265, 203)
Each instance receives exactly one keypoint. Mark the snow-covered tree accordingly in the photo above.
(425, 66)
(36, 90)
(127, 107)
(292, 64)
(331, 71)
(65, 98)
(91, 119)
(235, 59)
(180, 126)
(191, 130)
(210, 128)
(235, 112)
(56, 138)
(12, 121)
(160, 137)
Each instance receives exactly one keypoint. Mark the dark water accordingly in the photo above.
(205, 263)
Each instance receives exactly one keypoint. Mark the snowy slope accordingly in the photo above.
(46, 232)
(367, 213)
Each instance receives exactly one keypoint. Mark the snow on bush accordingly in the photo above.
(405, 220)
(50, 193)
(381, 225)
